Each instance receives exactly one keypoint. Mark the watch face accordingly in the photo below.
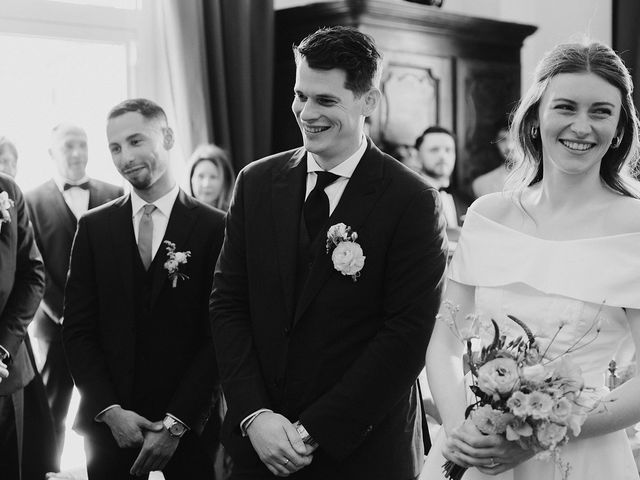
(177, 429)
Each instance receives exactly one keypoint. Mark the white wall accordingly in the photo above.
(557, 21)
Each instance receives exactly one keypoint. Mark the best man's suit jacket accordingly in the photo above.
(21, 286)
(54, 225)
(164, 361)
(344, 356)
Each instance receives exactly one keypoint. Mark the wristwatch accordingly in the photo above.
(306, 436)
(174, 427)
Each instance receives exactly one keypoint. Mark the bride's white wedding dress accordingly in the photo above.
(543, 283)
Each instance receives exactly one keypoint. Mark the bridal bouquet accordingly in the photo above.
(520, 393)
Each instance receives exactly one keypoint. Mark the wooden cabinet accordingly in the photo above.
(439, 68)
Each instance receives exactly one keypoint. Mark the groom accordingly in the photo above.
(136, 330)
(319, 348)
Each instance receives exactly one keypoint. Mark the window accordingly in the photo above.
(124, 4)
(68, 60)
(44, 81)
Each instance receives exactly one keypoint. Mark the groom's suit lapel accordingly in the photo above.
(289, 185)
(181, 222)
(365, 186)
(123, 240)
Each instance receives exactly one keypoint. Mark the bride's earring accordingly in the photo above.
(534, 132)
(615, 143)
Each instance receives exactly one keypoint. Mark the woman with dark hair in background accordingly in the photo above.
(211, 176)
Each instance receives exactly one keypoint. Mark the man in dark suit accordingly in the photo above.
(136, 329)
(21, 288)
(319, 340)
(54, 208)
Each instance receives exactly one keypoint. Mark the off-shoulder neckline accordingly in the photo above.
(548, 240)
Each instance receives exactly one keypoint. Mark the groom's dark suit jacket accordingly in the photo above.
(294, 335)
(146, 349)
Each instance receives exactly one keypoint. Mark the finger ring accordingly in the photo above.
(286, 460)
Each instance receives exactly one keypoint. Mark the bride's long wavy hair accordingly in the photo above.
(619, 166)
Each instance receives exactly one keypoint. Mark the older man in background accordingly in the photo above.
(54, 208)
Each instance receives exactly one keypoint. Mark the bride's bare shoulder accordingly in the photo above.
(495, 206)
(624, 214)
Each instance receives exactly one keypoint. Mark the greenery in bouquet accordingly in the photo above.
(521, 393)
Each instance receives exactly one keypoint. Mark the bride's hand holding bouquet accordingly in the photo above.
(526, 403)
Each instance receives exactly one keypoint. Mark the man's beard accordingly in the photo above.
(436, 175)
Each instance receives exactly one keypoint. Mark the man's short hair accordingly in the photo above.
(148, 109)
(6, 144)
(434, 129)
(347, 49)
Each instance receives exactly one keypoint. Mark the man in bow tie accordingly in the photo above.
(136, 330)
(436, 154)
(54, 208)
(320, 342)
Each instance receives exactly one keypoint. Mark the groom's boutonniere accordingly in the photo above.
(347, 254)
(174, 260)
(5, 204)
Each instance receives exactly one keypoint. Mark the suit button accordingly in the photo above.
(286, 331)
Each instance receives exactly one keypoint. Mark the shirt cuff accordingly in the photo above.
(5, 356)
(244, 424)
(98, 417)
(178, 420)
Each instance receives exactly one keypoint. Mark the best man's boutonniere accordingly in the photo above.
(347, 254)
(5, 204)
(174, 260)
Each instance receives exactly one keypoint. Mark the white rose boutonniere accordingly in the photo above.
(174, 260)
(5, 204)
(348, 257)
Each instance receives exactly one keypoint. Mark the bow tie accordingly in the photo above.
(444, 189)
(83, 185)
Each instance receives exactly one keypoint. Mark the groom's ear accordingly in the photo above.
(371, 101)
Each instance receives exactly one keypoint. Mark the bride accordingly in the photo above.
(562, 247)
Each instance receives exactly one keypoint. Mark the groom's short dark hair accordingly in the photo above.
(147, 108)
(347, 49)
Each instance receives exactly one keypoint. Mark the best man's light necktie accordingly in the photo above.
(145, 236)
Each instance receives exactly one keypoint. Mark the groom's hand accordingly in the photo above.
(127, 427)
(157, 449)
(278, 444)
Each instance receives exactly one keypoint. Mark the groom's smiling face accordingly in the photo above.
(330, 116)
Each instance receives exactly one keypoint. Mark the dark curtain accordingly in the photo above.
(239, 51)
(626, 38)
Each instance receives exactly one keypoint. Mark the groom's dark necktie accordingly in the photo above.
(316, 207)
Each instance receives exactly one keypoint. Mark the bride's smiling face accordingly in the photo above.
(579, 115)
